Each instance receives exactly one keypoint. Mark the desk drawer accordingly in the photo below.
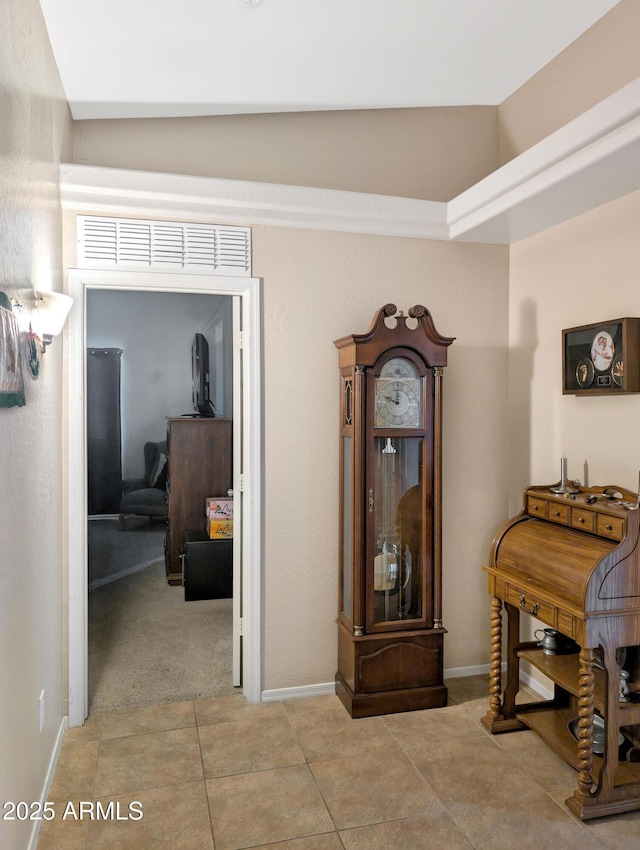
(537, 507)
(530, 604)
(583, 520)
(559, 513)
(610, 526)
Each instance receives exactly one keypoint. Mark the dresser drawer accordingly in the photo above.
(610, 526)
(530, 604)
(559, 513)
(537, 507)
(584, 520)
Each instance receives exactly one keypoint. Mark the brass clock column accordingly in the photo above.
(390, 632)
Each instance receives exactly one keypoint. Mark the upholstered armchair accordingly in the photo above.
(147, 496)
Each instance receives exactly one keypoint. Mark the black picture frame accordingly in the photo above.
(602, 358)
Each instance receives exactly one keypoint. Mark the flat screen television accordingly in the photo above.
(201, 382)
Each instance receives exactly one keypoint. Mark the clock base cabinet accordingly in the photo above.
(199, 466)
(382, 674)
(571, 561)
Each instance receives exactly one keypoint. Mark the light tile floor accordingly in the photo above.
(221, 774)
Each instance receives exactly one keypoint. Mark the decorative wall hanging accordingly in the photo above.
(602, 358)
(33, 352)
(11, 382)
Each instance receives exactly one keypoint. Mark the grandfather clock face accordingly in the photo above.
(398, 395)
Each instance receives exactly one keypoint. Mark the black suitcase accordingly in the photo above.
(207, 567)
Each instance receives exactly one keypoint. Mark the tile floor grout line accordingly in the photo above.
(326, 805)
(313, 776)
(575, 819)
(204, 778)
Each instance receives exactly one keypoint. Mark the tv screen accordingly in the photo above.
(201, 386)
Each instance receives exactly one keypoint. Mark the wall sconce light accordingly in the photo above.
(52, 309)
(43, 313)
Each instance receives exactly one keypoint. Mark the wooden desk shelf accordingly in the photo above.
(574, 565)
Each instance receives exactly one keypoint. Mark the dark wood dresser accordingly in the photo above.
(200, 461)
(572, 562)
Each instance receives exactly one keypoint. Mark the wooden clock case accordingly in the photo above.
(391, 662)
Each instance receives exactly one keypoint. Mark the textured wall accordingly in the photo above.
(35, 127)
(321, 286)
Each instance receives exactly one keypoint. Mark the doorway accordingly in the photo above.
(246, 464)
(146, 643)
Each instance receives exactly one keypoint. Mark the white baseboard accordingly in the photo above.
(482, 669)
(321, 689)
(452, 673)
(51, 769)
(527, 679)
(461, 672)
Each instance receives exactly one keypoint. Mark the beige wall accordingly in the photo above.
(432, 154)
(596, 65)
(583, 271)
(321, 286)
(35, 131)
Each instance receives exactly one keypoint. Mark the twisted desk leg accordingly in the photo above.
(495, 670)
(585, 723)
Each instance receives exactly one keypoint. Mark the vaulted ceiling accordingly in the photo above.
(154, 58)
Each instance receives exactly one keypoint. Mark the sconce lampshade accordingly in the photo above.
(53, 309)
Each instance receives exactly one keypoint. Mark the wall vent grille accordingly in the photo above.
(108, 243)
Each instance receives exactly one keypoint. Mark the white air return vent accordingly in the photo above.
(108, 243)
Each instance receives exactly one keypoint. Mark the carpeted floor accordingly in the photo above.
(114, 554)
(146, 644)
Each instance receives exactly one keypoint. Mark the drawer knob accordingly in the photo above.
(523, 604)
(580, 519)
(535, 507)
(609, 527)
(556, 513)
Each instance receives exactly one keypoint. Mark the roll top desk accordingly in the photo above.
(572, 562)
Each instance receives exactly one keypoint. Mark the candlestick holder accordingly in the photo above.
(565, 488)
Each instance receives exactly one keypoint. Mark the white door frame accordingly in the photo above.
(249, 290)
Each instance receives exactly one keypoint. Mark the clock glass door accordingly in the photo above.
(399, 527)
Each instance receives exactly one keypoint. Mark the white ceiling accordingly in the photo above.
(153, 58)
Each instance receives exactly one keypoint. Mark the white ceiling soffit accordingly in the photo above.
(157, 58)
(588, 162)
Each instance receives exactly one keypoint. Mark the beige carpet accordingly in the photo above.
(114, 554)
(147, 645)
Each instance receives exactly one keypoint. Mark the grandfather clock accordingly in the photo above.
(390, 632)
